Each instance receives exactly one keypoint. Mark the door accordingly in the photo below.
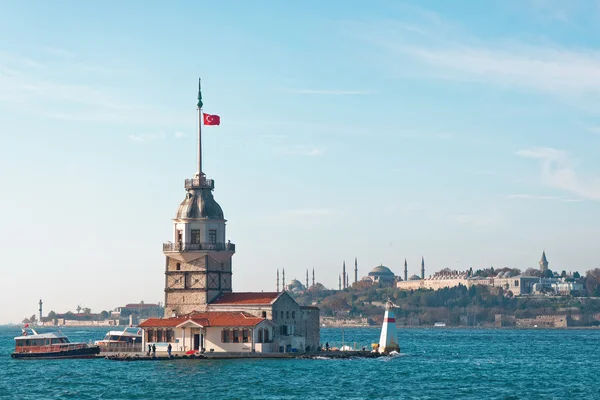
(196, 341)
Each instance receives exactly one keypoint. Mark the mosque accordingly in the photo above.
(202, 312)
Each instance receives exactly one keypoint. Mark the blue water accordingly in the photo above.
(436, 364)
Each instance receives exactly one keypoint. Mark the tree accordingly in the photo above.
(592, 282)
(548, 274)
(78, 309)
(577, 275)
(87, 310)
(104, 315)
(532, 272)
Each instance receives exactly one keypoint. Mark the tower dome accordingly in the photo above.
(381, 270)
(199, 203)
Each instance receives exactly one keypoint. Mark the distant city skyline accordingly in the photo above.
(463, 133)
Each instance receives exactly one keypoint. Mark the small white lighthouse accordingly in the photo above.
(388, 341)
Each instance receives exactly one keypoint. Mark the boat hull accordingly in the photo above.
(86, 352)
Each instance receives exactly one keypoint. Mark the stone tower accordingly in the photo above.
(544, 262)
(198, 260)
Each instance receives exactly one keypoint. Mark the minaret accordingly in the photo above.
(388, 341)
(422, 268)
(41, 311)
(283, 281)
(340, 282)
(544, 262)
(355, 270)
(199, 259)
(344, 274)
(277, 280)
(313, 277)
(405, 270)
(306, 278)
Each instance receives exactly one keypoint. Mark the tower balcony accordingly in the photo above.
(197, 183)
(184, 247)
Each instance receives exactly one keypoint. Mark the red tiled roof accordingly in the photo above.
(246, 298)
(212, 318)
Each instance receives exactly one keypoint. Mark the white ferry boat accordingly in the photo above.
(127, 340)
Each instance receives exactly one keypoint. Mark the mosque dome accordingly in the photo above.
(381, 271)
(295, 285)
(199, 203)
(501, 275)
(414, 278)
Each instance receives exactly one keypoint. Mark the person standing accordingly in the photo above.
(169, 349)
(153, 349)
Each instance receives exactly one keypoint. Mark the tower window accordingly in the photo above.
(264, 314)
(178, 267)
(195, 236)
(212, 236)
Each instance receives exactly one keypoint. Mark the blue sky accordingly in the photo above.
(464, 132)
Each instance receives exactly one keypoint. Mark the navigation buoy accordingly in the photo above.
(388, 341)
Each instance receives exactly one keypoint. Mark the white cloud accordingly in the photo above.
(537, 197)
(55, 51)
(558, 171)
(179, 135)
(301, 150)
(146, 137)
(312, 212)
(333, 92)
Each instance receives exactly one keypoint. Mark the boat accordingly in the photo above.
(33, 345)
(121, 341)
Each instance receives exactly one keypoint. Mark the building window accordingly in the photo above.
(282, 314)
(264, 314)
(170, 335)
(516, 283)
(287, 314)
(178, 266)
(179, 236)
(245, 335)
(195, 236)
(212, 236)
(293, 314)
(236, 336)
(150, 336)
(225, 336)
(159, 335)
(260, 336)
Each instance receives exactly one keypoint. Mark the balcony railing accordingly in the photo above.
(199, 183)
(198, 246)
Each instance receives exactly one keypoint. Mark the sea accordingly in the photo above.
(434, 363)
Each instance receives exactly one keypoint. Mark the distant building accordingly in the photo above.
(381, 276)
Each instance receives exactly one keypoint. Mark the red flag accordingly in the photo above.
(211, 119)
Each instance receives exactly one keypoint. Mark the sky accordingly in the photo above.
(465, 132)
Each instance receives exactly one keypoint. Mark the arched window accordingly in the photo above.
(260, 335)
(178, 266)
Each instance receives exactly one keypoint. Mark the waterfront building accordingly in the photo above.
(199, 297)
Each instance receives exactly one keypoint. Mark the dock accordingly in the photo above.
(236, 355)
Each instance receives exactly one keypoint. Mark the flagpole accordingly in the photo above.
(199, 169)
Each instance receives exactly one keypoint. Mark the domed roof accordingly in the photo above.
(199, 203)
(381, 270)
(295, 283)
(414, 278)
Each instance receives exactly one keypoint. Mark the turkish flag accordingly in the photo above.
(211, 119)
